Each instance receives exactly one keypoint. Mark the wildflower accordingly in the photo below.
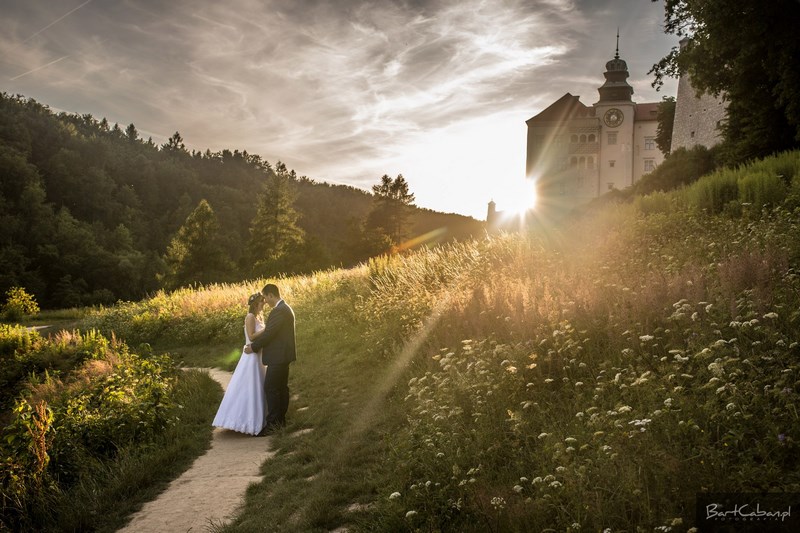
(517, 488)
(511, 369)
(536, 480)
(575, 526)
(730, 407)
(440, 455)
(569, 449)
(498, 502)
(560, 469)
(394, 495)
(570, 440)
(411, 514)
(716, 368)
(555, 484)
(579, 383)
(543, 436)
(624, 409)
(549, 380)
(646, 338)
(523, 479)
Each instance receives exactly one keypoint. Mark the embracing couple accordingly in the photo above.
(262, 374)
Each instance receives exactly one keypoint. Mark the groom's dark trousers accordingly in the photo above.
(276, 386)
(277, 345)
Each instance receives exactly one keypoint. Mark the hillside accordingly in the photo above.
(88, 209)
(597, 377)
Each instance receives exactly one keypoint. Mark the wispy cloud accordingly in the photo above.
(342, 91)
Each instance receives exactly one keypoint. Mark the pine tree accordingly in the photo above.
(390, 211)
(195, 254)
(274, 233)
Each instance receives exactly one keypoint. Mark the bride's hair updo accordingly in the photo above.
(253, 301)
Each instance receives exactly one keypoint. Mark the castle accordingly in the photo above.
(576, 153)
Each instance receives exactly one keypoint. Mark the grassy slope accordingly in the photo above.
(599, 376)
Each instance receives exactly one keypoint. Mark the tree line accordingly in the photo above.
(91, 213)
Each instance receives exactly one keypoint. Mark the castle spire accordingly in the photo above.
(616, 87)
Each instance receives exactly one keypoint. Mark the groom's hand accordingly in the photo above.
(248, 349)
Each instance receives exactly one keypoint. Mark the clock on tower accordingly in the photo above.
(613, 117)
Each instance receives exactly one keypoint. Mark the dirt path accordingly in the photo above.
(211, 491)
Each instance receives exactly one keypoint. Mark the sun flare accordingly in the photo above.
(521, 197)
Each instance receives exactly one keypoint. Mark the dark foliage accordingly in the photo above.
(746, 52)
(88, 210)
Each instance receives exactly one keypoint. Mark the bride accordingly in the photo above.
(242, 407)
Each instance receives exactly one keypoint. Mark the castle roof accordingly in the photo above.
(647, 111)
(565, 108)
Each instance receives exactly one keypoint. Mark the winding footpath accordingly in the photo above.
(210, 492)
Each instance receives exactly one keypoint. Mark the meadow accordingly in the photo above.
(596, 375)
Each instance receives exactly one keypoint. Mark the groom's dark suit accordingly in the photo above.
(278, 343)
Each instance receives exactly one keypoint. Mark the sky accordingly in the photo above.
(341, 91)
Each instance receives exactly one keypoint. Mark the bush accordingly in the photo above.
(680, 168)
(85, 400)
(19, 304)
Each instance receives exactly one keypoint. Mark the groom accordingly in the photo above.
(278, 343)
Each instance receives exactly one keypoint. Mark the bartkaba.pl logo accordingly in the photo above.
(766, 512)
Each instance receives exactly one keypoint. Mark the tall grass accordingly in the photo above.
(593, 378)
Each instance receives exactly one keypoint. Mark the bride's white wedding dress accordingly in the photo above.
(242, 407)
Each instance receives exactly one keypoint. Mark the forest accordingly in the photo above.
(91, 213)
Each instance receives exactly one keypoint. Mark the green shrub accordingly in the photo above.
(19, 304)
(762, 189)
(86, 399)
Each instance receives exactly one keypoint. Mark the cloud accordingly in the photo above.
(344, 91)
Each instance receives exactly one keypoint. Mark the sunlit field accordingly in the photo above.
(595, 377)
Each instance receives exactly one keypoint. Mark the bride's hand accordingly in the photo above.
(247, 349)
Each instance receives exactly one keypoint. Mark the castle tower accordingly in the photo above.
(697, 119)
(617, 111)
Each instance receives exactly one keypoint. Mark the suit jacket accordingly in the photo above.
(277, 338)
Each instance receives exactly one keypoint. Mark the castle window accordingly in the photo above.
(612, 137)
(592, 138)
(573, 162)
(583, 138)
(649, 165)
(649, 143)
(590, 162)
(610, 185)
(582, 162)
(691, 135)
(611, 163)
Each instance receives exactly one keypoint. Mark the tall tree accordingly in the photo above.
(195, 254)
(744, 51)
(274, 233)
(174, 144)
(391, 208)
(666, 120)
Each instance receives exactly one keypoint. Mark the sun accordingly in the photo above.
(520, 198)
